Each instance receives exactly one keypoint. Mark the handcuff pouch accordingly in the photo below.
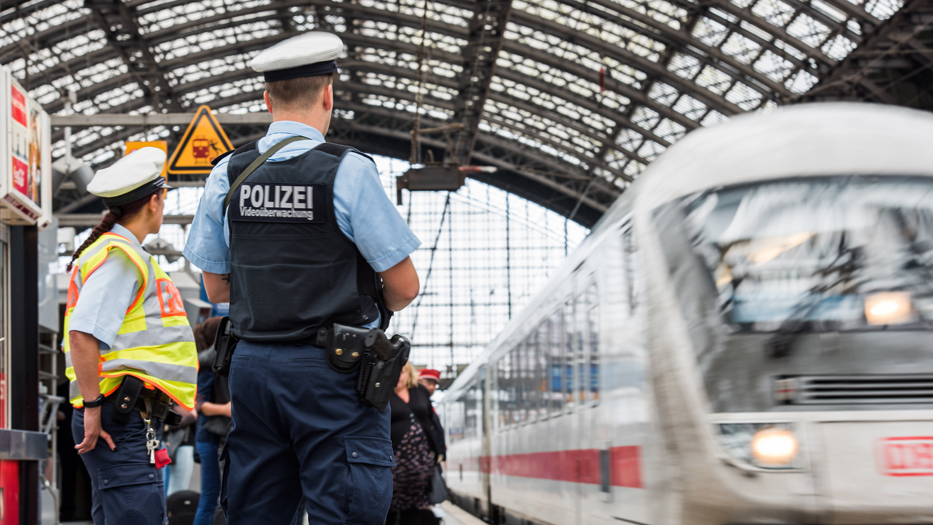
(343, 346)
(125, 398)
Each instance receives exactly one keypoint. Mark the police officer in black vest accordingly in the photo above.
(306, 239)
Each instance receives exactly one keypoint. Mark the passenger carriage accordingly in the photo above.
(743, 338)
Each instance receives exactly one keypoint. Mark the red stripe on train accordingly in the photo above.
(576, 466)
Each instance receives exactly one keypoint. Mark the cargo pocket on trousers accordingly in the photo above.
(132, 493)
(370, 484)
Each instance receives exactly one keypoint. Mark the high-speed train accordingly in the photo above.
(743, 338)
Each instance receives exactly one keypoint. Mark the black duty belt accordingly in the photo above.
(131, 395)
(376, 358)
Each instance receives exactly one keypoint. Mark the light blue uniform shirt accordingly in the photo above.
(107, 294)
(364, 212)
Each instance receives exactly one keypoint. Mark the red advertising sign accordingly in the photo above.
(18, 106)
(905, 456)
(20, 175)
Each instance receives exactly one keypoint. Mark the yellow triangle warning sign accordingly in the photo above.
(203, 141)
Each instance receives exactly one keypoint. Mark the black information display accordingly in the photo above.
(279, 203)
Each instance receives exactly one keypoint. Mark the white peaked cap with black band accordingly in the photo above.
(131, 178)
(306, 55)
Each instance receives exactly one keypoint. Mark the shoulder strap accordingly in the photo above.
(255, 164)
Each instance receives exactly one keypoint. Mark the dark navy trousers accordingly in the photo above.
(300, 430)
(126, 488)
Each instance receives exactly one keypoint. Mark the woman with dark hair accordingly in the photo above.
(213, 421)
(129, 351)
(416, 454)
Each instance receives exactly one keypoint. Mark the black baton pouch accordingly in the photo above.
(382, 365)
(225, 344)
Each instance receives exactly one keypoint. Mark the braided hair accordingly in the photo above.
(114, 215)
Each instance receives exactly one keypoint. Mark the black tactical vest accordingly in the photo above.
(292, 270)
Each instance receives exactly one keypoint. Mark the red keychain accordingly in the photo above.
(161, 458)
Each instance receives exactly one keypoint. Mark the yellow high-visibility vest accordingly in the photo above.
(155, 342)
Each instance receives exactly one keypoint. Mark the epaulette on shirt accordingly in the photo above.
(337, 150)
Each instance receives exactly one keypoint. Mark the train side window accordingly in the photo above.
(453, 420)
(470, 413)
(532, 392)
(569, 355)
(542, 371)
(518, 403)
(555, 348)
(592, 324)
(493, 379)
(580, 344)
(628, 242)
(505, 390)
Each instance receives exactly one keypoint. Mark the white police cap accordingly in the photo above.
(307, 55)
(131, 178)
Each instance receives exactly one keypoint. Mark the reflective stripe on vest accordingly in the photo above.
(155, 342)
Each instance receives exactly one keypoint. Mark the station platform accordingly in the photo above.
(449, 513)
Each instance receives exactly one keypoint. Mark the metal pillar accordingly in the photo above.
(24, 357)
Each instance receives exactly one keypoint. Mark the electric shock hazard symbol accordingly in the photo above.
(279, 203)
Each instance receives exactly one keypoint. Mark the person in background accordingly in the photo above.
(180, 442)
(415, 451)
(429, 379)
(213, 418)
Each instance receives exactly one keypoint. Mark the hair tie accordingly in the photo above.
(117, 211)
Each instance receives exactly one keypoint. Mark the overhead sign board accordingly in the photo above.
(161, 144)
(25, 156)
(203, 141)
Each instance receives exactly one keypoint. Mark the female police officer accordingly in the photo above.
(129, 350)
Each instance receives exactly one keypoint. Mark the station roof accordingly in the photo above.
(570, 98)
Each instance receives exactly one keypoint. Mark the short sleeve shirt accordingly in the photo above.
(107, 294)
(363, 210)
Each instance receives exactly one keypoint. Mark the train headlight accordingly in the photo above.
(888, 308)
(774, 447)
(764, 445)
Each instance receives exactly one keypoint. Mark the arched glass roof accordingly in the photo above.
(570, 98)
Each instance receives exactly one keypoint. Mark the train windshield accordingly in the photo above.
(843, 253)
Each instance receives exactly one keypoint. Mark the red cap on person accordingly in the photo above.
(429, 373)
